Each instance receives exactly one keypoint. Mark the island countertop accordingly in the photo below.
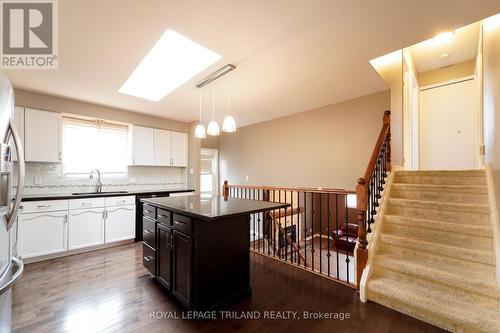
(213, 208)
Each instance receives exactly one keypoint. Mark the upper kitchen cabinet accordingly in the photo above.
(42, 136)
(157, 147)
(162, 147)
(19, 124)
(142, 145)
(179, 149)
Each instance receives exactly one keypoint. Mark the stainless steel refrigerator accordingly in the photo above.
(11, 267)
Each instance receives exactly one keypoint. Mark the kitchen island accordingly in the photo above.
(198, 248)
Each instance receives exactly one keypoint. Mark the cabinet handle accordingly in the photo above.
(148, 211)
(172, 246)
(65, 219)
(43, 206)
(180, 222)
(146, 231)
(148, 258)
(153, 195)
(161, 216)
(133, 159)
(60, 156)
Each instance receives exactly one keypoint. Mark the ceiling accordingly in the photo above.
(290, 56)
(428, 56)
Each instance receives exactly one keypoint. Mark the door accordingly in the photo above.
(142, 145)
(162, 147)
(209, 172)
(164, 250)
(86, 228)
(179, 146)
(120, 223)
(447, 126)
(42, 233)
(42, 136)
(182, 267)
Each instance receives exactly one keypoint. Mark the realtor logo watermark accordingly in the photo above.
(29, 34)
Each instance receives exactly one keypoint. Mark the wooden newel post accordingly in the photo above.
(387, 121)
(225, 189)
(362, 251)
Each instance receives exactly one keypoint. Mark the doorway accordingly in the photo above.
(209, 172)
(447, 124)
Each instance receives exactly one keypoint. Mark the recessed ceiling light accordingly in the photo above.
(445, 55)
(172, 61)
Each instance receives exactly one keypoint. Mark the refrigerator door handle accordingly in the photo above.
(11, 217)
(19, 271)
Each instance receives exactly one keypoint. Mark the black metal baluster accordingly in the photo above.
(292, 249)
(273, 221)
(305, 229)
(312, 231)
(337, 229)
(328, 230)
(320, 234)
(347, 235)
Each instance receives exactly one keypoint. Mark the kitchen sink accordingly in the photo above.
(103, 192)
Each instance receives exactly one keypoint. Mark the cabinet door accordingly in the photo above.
(182, 267)
(42, 136)
(162, 147)
(164, 251)
(42, 233)
(86, 228)
(19, 123)
(142, 145)
(179, 148)
(120, 223)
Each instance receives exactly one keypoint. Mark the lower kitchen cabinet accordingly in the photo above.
(42, 233)
(182, 266)
(120, 223)
(164, 249)
(86, 228)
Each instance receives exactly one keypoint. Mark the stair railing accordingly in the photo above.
(369, 189)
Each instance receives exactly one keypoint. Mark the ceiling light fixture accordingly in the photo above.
(229, 124)
(213, 127)
(172, 61)
(199, 132)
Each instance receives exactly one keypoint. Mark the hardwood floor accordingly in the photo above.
(110, 291)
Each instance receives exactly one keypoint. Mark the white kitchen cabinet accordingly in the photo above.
(162, 147)
(19, 123)
(120, 223)
(42, 136)
(142, 145)
(42, 233)
(86, 228)
(179, 149)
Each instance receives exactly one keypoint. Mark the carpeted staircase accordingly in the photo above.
(435, 258)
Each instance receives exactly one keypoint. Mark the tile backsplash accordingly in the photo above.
(48, 178)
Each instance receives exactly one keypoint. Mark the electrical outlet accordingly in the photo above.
(38, 180)
(191, 171)
(246, 178)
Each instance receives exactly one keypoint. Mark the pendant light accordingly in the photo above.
(199, 132)
(229, 124)
(213, 127)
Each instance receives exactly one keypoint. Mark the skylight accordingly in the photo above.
(172, 61)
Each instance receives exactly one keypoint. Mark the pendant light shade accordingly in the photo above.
(229, 124)
(199, 132)
(213, 127)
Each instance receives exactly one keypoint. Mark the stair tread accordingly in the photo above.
(443, 173)
(474, 189)
(456, 252)
(447, 275)
(468, 207)
(468, 229)
(461, 312)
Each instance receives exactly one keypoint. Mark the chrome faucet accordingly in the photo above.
(98, 188)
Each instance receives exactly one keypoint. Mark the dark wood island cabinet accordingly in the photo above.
(198, 248)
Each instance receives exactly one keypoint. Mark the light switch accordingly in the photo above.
(191, 171)
(246, 178)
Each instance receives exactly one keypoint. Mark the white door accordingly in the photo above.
(19, 123)
(447, 126)
(143, 141)
(179, 144)
(86, 228)
(42, 136)
(120, 223)
(162, 147)
(42, 233)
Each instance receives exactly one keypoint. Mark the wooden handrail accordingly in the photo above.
(296, 189)
(362, 192)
